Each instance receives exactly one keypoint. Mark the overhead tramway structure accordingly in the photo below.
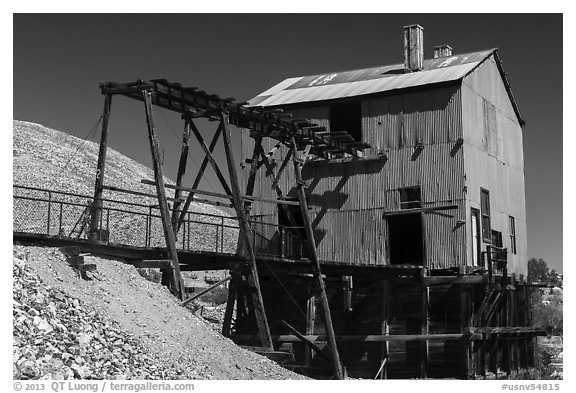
(300, 136)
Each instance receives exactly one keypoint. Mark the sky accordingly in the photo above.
(60, 59)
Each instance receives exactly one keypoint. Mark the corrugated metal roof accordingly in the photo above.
(368, 81)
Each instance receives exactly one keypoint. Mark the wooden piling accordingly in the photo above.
(96, 210)
(316, 262)
(258, 302)
(176, 280)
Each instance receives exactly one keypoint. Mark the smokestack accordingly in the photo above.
(442, 51)
(413, 48)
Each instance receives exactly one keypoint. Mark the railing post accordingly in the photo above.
(188, 223)
(60, 219)
(49, 212)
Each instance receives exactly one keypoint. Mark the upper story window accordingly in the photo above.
(485, 209)
(410, 197)
(347, 116)
(512, 230)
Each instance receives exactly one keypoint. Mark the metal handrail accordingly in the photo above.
(65, 224)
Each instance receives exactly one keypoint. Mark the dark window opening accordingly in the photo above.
(291, 231)
(496, 238)
(512, 229)
(410, 197)
(476, 242)
(347, 116)
(485, 208)
(405, 239)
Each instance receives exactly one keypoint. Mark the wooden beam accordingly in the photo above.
(232, 295)
(441, 280)
(96, 210)
(303, 339)
(316, 262)
(176, 284)
(310, 324)
(205, 291)
(224, 196)
(419, 210)
(198, 177)
(180, 175)
(376, 338)
(258, 302)
(424, 330)
(253, 172)
(211, 159)
(385, 329)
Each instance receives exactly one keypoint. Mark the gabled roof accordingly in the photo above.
(381, 79)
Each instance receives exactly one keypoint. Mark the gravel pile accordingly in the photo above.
(116, 325)
(57, 336)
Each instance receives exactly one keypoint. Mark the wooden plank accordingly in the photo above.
(316, 262)
(175, 278)
(258, 302)
(96, 210)
(205, 291)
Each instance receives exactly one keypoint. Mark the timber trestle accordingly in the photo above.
(192, 103)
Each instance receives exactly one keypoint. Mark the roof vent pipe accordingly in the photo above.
(442, 51)
(413, 48)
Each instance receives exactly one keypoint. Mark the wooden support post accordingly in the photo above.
(253, 172)
(175, 280)
(385, 348)
(232, 294)
(199, 175)
(316, 262)
(425, 331)
(310, 322)
(465, 315)
(96, 210)
(180, 175)
(258, 302)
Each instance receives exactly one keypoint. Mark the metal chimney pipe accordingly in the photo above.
(413, 48)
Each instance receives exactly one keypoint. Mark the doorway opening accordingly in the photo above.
(405, 239)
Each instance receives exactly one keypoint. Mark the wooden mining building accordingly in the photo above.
(439, 192)
(381, 215)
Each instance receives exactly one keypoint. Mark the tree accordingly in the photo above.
(537, 271)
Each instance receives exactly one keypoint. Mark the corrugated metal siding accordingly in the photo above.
(493, 156)
(348, 200)
(427, 117)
